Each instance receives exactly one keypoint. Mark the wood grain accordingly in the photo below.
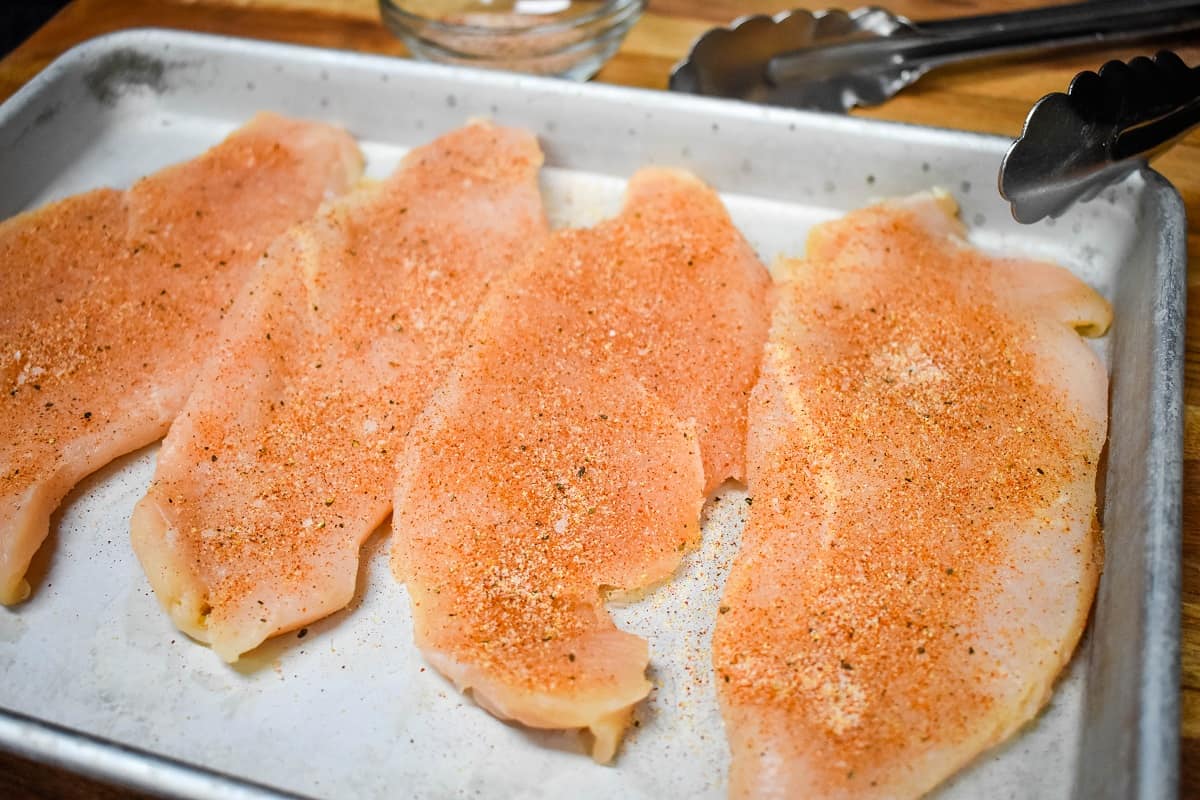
(21, 779)
(993, 97)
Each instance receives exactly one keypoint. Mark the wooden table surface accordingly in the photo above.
(992, 98)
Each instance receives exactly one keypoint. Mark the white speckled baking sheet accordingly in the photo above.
(350, 709)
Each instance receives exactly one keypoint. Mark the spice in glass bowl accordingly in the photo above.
(543, 37)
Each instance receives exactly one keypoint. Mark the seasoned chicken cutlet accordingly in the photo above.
(922, 549)
(109, 300)
(603, 388)
(283, 460)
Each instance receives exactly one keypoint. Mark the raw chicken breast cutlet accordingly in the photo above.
(602, 389)
(110, 300)
(922, 549)
(283, 460)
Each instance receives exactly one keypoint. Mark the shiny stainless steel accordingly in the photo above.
(351, 710)
(1108, 124)
(732, 61)
(835, 60)
(129, 766)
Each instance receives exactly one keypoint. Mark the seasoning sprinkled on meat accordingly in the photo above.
(111, 300)
(283, 461)
(922, 550)
(603, 387)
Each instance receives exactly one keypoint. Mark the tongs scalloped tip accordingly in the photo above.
(1108, 124)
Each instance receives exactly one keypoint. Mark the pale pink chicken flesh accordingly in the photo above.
(283, 460)
(603, 388)
(922, 549)
(109, 301)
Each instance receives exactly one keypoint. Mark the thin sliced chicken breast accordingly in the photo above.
(110, 299)
(566, 456)
(922, 549)
(283, 460)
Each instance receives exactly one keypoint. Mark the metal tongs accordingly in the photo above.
(1109, 123)
(834, 60)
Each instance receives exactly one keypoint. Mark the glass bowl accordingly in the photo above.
(544, 37)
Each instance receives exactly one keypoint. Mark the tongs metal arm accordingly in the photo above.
(926, 45)
(1147, 139)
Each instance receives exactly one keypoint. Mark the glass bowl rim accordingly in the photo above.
(609, 9)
